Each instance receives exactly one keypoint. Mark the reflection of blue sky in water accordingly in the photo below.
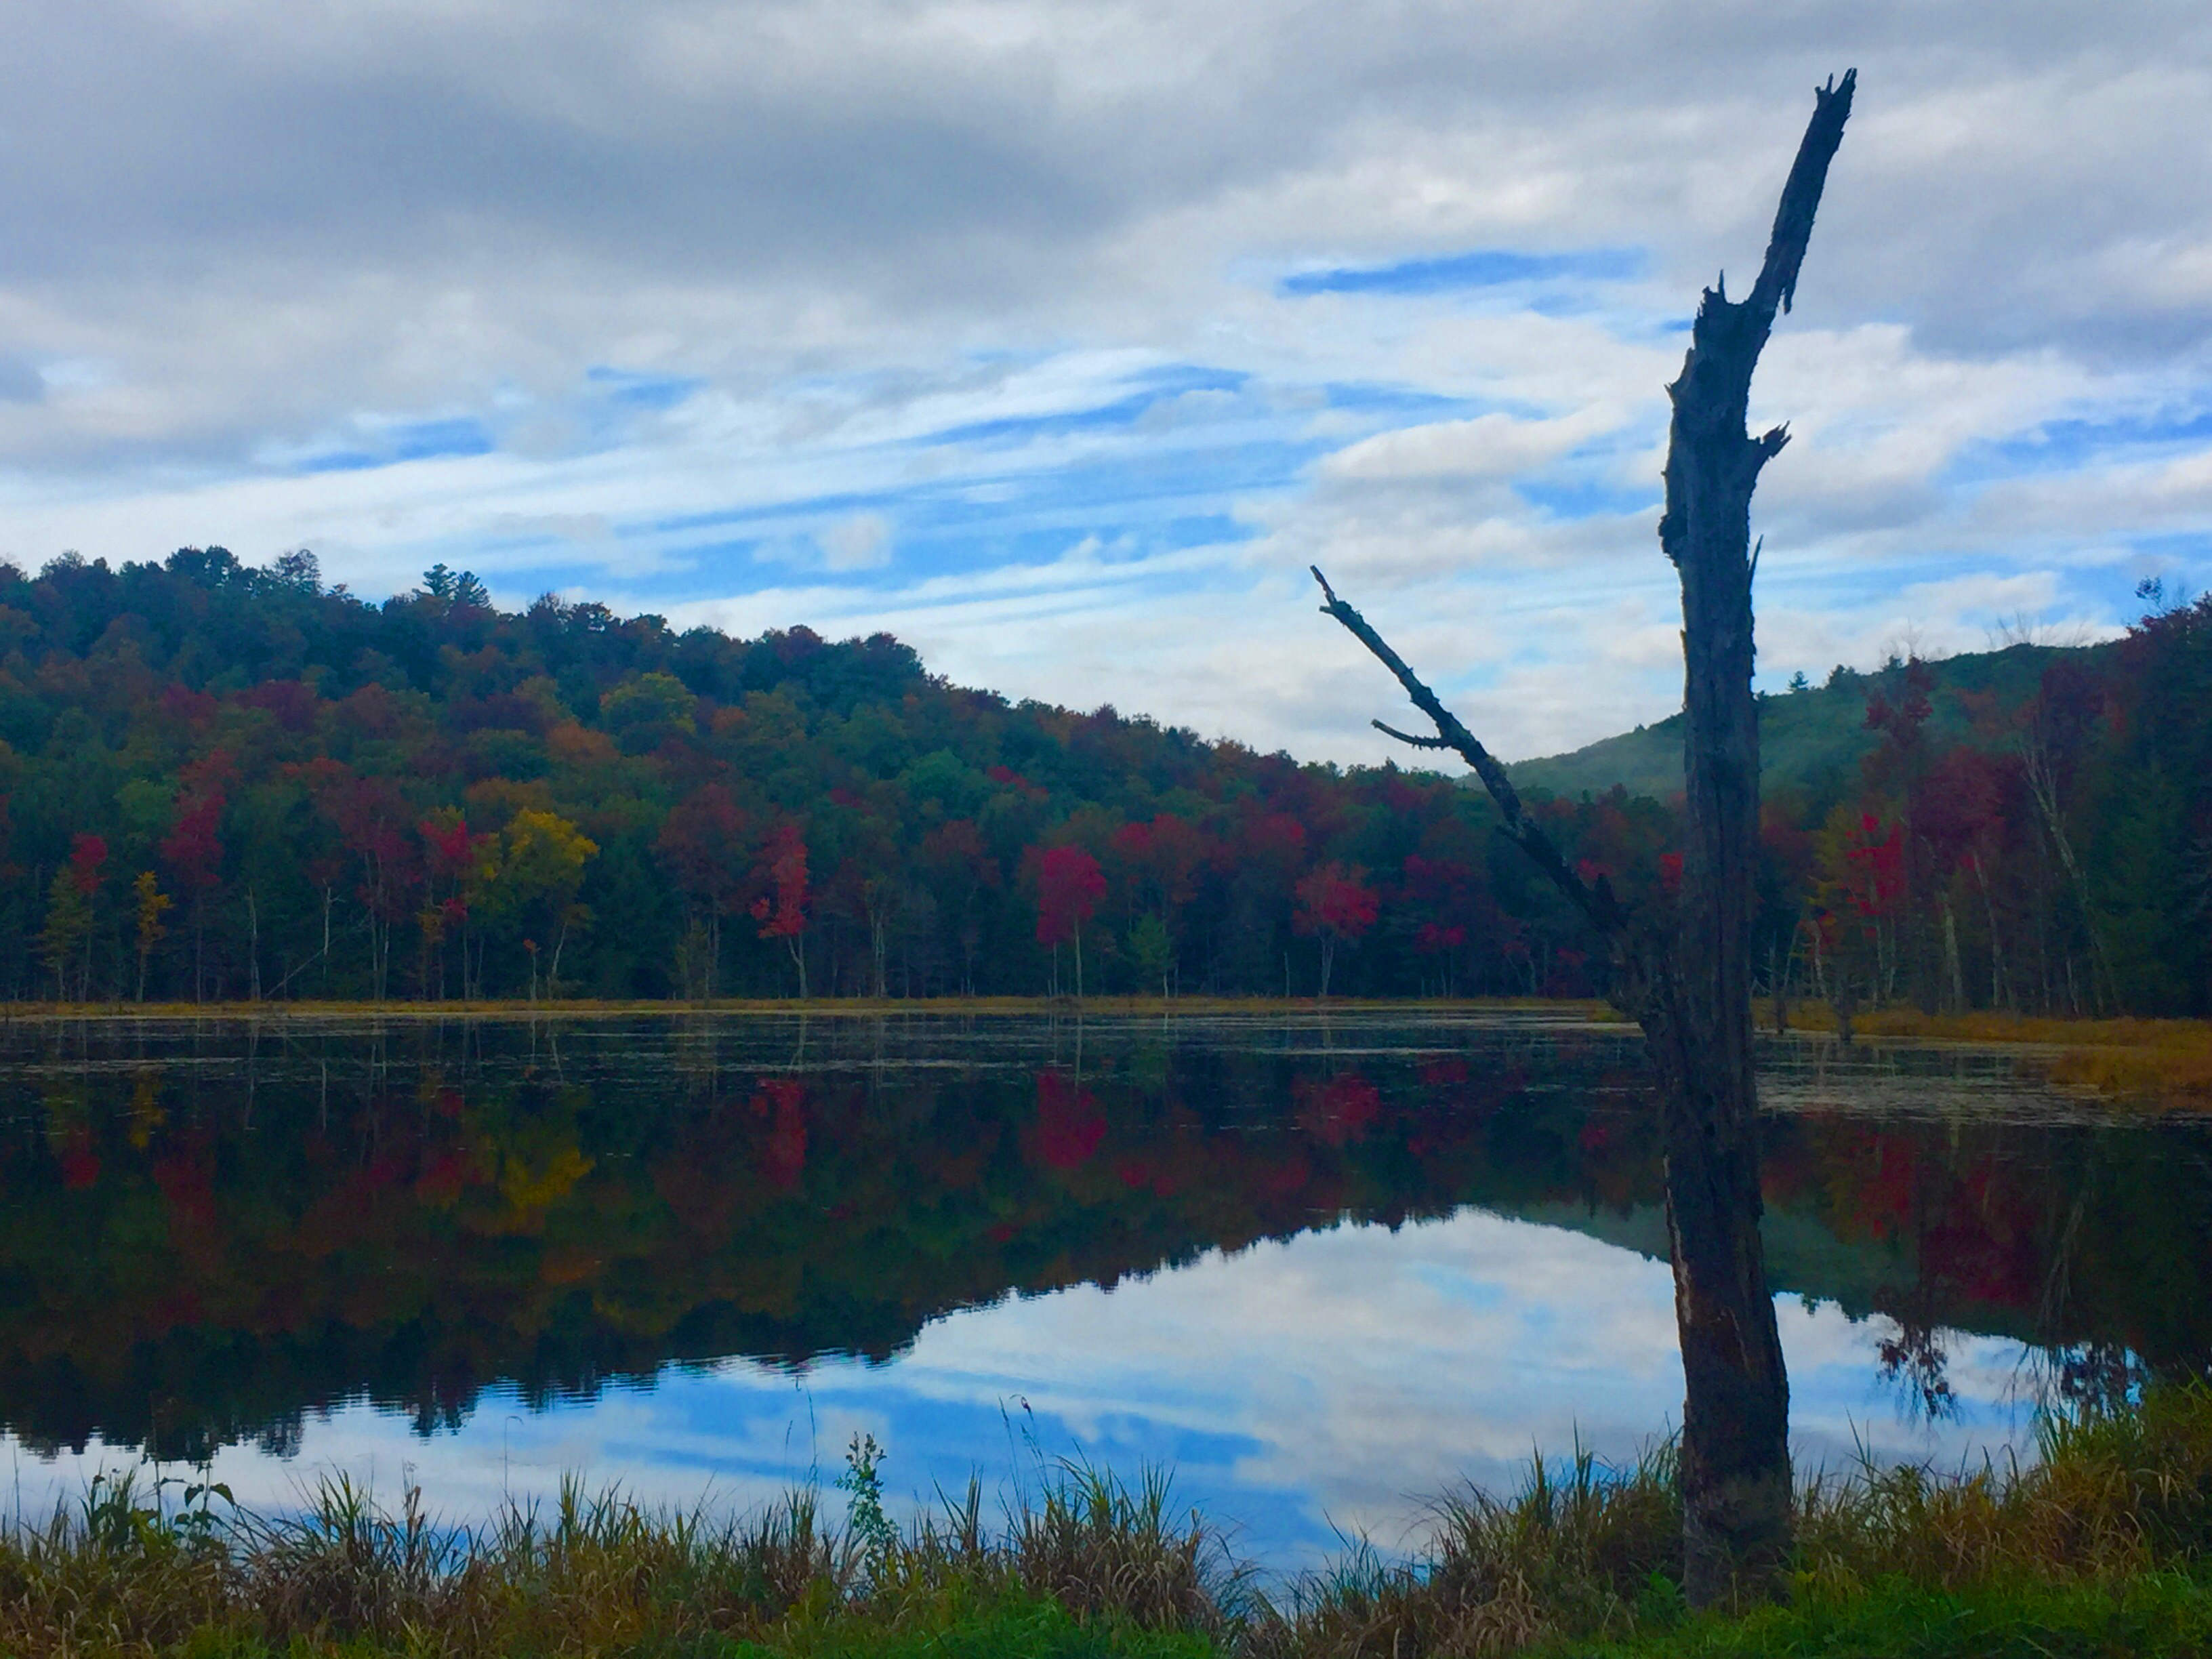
(1330, 1383)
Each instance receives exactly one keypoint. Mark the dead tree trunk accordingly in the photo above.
(1686, 977)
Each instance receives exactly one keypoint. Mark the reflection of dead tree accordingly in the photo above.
(1686, 976)
(1916, 1359)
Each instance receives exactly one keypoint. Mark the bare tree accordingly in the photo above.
(1684, 971)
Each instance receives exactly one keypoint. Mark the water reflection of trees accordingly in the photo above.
(205, 1241)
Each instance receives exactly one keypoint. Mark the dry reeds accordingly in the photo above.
(2117, 1505)
(2161, 1062)
(1582, 1549)
(128, 1570)
(1587, 1552)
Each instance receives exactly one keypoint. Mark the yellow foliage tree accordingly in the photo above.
(151, 902)
(540, 869)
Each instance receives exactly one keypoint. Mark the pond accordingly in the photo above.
(1320, 1268)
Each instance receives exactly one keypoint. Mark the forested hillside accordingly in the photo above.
(219, 782)
(1811, 737)
(222, 783)
(2028, 829)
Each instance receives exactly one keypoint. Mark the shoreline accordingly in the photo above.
(1038, 1008)
(2127, 1061)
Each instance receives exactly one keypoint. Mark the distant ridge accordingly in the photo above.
(1808, 739)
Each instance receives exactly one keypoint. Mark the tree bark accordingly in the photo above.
(1686, 978)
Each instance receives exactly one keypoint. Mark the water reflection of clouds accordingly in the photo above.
(1333, 1381)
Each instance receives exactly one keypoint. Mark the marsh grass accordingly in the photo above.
(2102, 1543)
(1087, 1566)
(2160, 1061)
(2113, 1518)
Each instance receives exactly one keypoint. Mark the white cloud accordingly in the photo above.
(860, 540)
(253, 233)
(1487, 446)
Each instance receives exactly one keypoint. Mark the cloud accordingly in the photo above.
(1487, 446)
(751, 288)
(861, 541)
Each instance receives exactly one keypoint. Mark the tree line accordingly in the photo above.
(2055, 857)
(222, 782)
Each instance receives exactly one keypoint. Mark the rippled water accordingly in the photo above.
(1321, 1267)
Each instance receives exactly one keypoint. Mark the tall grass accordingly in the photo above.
(1584, 1553)
(127, 1571)
(2163, 1061)
(2105, 1537)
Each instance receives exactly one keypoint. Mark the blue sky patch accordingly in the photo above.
(405, 441)
(652, 392)
(340, 460)
(2066, 445)
(1587, 498)
(423, 440)
(1147, 390)
(1379, 398)
(1479, 268)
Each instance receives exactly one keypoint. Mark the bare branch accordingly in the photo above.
(1408, 737)
(1597, 904)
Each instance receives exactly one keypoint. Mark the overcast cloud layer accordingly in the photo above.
(1059, 338)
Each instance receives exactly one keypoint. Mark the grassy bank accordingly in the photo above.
(2156, 1062)
(2103, 1545)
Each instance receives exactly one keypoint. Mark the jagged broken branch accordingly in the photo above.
(1596, 901)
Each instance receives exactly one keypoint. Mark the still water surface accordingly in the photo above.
(1320, 1267)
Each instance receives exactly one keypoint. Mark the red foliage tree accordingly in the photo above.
(372, 820)
(701, 845)
(193, 848)
(782, 910)
(1442, 896)
(87, 853)
(1336, 905)
(452, 859)
(1069, 885)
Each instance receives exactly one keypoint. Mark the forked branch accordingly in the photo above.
(1597, 902)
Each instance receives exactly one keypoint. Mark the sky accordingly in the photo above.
(1059, 338)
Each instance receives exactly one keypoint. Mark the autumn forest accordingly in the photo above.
(221, 782)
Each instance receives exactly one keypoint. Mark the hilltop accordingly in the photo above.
(1810, 740)
(219, 781)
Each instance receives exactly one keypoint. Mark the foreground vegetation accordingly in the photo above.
(2099, 1546)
